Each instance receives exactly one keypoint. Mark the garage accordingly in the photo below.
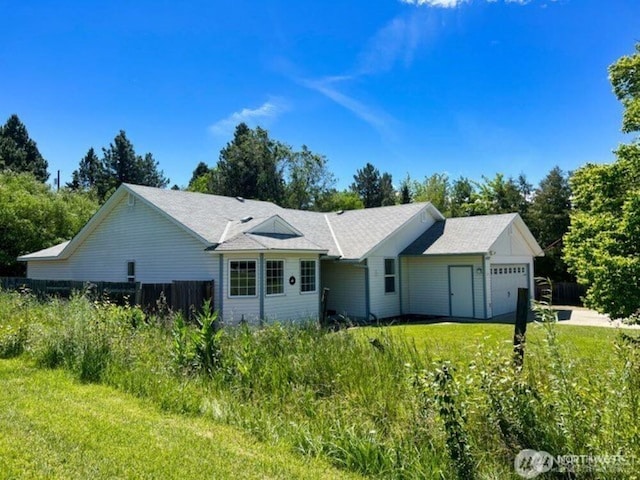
(468, 267)
(505, 281)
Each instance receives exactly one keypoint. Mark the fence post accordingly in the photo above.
(522, 313)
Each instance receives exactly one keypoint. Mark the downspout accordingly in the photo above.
(400, 282)
(261, 285)
(221, 284)
(484, 285)
(367, 307)
(320, 290)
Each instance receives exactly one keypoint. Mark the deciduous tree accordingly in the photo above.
(602, 247)
(34, 217)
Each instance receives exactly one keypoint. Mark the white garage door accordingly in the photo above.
(505, 281)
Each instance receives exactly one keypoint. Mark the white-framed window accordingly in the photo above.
(274, 277)
(307, 276)
(242, 278)
(131, 271)
(389, 275)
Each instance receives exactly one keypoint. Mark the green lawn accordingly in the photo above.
(54, 427)
(460, 342)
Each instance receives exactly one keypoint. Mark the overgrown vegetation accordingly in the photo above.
(373, 401)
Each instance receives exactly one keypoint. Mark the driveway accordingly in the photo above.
(569, 315)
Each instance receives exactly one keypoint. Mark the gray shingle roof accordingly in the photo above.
(349, 235)
(461, 235)
(359, 231)
(222, 223)
(50, 252)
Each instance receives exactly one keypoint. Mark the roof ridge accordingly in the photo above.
(333, 234)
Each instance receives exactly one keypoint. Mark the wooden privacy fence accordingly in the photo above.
(564, 293)
(180, 296)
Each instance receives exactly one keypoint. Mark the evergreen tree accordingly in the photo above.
(387, 192)
(88, 174)
(18, 152)
(548, 220)
(120, 164)
(249, 165)
(367, 186)
(200, 170)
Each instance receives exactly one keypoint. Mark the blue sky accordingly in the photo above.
(463, 87)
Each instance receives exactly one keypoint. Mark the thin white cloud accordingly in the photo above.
(251, 116)
(436, 3)
(396, 42)
(454, 3)
(380, 121)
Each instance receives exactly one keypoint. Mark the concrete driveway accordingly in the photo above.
(571, 315)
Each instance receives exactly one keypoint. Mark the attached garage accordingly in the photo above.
(469, 267)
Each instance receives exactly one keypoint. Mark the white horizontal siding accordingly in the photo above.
(346, 282)
(382, 305)
(293, 305)
(426, 284)
(161, 250)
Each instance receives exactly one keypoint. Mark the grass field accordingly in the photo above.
(52, 426)
(460, 342)
(399, 402)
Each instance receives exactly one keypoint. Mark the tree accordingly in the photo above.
(601, 247)
(200, 170)
(434, 189)
(387, 192)
(462, 195)
(88, 174)
(548, 220)
(34, 217)
(498, 195)
(308, 179)
(249, 165)
(336, 200)
(405, 194)
(120, 164)
(18, 152)
(374, 190)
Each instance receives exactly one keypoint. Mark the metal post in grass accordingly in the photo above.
(323, 302)
(522, 313)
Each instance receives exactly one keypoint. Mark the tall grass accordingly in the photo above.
(371, 403)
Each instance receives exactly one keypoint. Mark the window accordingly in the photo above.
(131, 271)
(242, 278)
(274, 270)
(389, 275)
(307, 276)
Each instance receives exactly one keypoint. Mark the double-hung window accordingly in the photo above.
(242, 278)
(307, 276)
(389, 275)
(274, 276)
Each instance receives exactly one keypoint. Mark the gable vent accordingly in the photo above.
(246, 219)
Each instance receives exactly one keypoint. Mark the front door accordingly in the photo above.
(461, 291)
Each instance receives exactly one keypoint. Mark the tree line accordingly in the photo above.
(588, 222)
